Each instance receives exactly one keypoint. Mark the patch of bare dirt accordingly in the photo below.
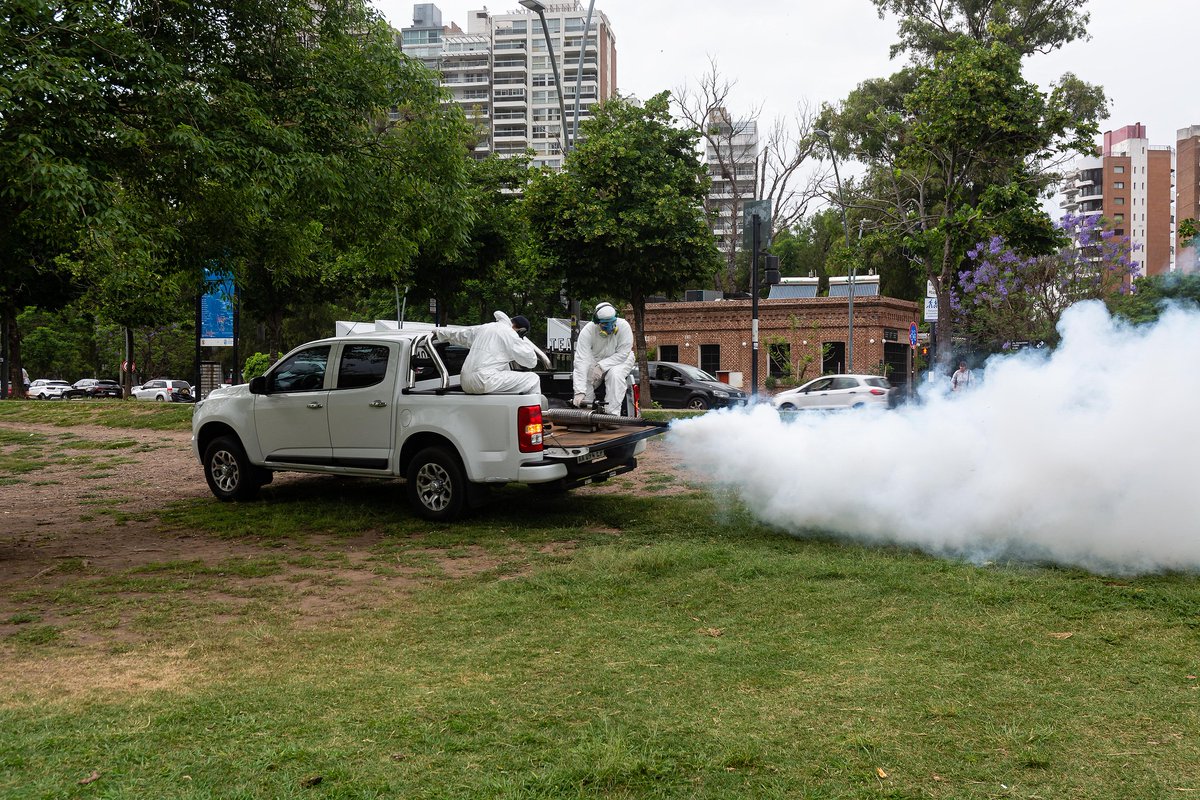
(92, 512)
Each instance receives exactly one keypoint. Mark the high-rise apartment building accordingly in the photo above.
(731, 155)
(1187, 193)
(500, 72)
(1131, 185)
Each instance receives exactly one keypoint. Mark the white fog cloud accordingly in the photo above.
(1086, 456)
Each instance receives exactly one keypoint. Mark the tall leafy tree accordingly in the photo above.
(625, 219)
(958, 148)
(77, 85)
(928, 27)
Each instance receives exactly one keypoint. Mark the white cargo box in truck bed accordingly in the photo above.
(388, 404)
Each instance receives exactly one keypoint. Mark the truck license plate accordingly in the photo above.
(589, 457)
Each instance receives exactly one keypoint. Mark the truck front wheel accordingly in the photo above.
(229, 473)
(437, 486)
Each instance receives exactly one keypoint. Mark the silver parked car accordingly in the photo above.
(837, 392)
(164, 390)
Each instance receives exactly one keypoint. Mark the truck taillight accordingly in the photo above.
(529, 429)
(878, 392)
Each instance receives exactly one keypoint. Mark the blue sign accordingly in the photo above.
(912, 334)
(216, 311)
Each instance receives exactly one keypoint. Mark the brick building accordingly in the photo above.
(807, 334)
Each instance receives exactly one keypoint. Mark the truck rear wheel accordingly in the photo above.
(437, 485)
(229, 473)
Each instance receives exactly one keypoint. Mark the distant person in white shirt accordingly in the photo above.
(961, 379)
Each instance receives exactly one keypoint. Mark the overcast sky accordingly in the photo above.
(782, 53)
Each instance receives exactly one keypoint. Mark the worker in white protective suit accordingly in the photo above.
(603, 353)
(494, 346)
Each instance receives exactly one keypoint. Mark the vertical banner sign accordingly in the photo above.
(216, 310)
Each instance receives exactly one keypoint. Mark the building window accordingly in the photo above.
(668, 352)
(710, 358)
(1118, 217)
(1118, 184)
(1120, 201)
(1119, 169)
(834, 358)
(779, 360)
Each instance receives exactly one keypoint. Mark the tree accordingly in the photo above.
(959, 149)
(928, 27)
(1146, 302)
(625, 218)
(1188, 230)
(750, 168)
(1006, 297)
(75, 85)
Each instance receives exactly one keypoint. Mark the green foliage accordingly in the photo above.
(956, 147)
(1188, 230)
(928, 27)
(256, 365)
(1151, 294)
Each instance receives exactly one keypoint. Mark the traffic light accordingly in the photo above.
(771, 270)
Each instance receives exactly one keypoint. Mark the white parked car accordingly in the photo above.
(44, 389)
(164, 389)
(837, 392)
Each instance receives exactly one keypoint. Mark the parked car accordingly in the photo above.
(81, 388)
(103, 388)
(164, 390)
(837, 392)
(44, 389)
(674, 385)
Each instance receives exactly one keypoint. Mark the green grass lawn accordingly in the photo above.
(637, 646)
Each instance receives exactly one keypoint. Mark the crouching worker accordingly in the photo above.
(603, 354)
(494, 346)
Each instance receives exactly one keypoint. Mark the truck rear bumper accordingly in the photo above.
(541, 473)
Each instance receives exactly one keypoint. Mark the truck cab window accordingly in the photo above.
(362, 365)
(301, 372)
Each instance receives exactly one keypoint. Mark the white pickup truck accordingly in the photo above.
(389, 404)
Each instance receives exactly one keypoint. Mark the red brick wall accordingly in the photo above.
(805, 323)
(1158, 212)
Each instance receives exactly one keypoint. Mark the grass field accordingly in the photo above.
(601, 646)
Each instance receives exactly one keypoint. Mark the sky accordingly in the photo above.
(782, 54)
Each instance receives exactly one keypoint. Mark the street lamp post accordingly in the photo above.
(539, 8)
(846, 225)
(587, 31)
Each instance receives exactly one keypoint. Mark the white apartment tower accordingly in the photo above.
(499, 71)
(731, 155)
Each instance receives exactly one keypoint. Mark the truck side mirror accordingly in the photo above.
(258, 385)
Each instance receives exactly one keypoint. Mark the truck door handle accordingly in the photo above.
(315, 405)
(379, 404)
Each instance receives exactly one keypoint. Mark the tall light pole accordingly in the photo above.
(539, 8)
(846, 225)
(587, 31)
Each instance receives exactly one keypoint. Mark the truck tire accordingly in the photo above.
(437, 485)
(229, 473)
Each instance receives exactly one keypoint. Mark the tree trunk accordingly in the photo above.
(15, 379)
(127, 377)
(639, 343)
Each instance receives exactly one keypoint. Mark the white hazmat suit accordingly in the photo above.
(605, 356)
(494, 345)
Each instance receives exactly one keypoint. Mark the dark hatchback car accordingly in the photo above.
(674, 385)
(107, 389)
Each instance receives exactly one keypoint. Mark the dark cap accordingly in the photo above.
(520, 324)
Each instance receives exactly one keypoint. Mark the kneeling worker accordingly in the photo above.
(603, 353)
(494, 345)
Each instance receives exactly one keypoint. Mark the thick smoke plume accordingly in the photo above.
(1088, 456)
